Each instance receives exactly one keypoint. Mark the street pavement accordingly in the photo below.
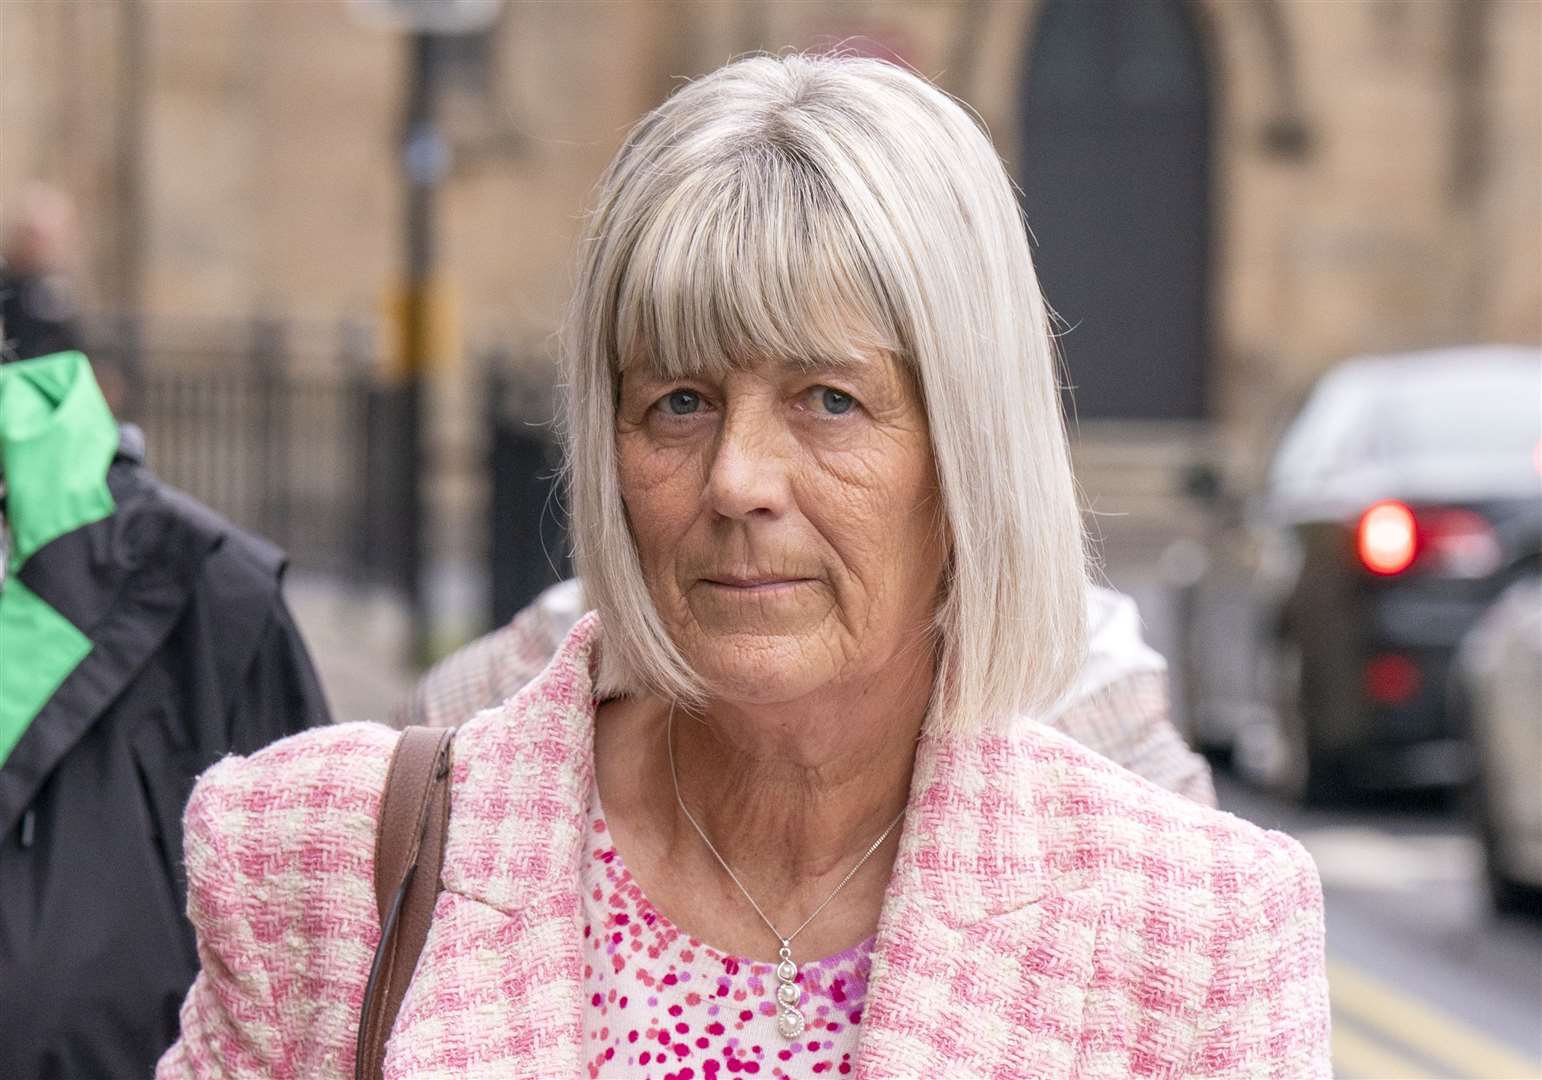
(358, 640)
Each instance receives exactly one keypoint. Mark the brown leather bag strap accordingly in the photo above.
(409, 851)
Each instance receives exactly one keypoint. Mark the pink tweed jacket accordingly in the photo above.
(1049, 914)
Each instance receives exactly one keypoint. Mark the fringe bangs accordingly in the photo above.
(754, 260)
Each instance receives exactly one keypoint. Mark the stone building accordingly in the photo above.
(1228, 195)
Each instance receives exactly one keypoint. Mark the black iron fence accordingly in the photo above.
(528, 547)
(289, 430)
(283, 428)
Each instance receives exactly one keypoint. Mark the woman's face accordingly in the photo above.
(787, 520)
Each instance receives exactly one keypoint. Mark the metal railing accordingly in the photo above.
(289, 430)
(528, 541)
(282, 428)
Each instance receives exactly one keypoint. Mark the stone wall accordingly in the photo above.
(267, 178)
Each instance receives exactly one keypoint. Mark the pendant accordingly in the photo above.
(789, 1019)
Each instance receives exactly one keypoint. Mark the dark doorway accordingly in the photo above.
(1115, 171)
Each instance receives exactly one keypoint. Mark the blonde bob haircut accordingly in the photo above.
(806, 207)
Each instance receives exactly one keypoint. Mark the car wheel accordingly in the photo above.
(1509, 897)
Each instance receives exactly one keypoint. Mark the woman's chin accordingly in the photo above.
(762, 669)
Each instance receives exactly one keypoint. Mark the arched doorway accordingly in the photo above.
(1115, 172)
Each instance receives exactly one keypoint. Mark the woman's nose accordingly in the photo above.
(747, 473)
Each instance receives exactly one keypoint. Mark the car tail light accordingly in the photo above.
(1453, 542)
(1392, 679)
(1461, 543)
(1387, 538)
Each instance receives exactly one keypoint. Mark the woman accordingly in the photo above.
(778, 806)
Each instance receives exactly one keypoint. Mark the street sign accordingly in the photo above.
(426, 156)
(427, 16)
(442, 346)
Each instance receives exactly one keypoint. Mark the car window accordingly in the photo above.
(1403, 414)
(1494, 413)
(1324, 435)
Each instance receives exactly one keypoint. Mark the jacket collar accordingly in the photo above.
(531, 757)
(984, 946)
(88, 609)
(57, 438)
(976, 924)
(965, 853)
(520, 779)
(964, 850)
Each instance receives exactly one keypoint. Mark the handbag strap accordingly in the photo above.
(409, 851)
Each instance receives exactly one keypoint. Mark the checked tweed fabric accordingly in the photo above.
(1049, 915)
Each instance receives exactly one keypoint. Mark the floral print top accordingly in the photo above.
(662, 1005)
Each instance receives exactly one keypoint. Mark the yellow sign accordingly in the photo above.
(441, 337)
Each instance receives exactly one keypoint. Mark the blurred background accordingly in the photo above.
(318, 251)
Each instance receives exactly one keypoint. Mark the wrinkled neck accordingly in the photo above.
(796, 792)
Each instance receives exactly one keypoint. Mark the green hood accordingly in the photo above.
(57, 439)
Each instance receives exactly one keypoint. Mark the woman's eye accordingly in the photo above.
(681, 403)
(833, 401)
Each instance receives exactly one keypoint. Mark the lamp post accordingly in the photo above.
(425, 162)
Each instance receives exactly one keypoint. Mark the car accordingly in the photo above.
(1497, 691)
(1402, 499)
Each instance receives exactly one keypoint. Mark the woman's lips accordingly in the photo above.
(753, 584)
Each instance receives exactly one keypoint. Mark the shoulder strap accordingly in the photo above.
(409, 851)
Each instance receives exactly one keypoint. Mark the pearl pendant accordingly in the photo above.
(789, 1023)
(789, 1019)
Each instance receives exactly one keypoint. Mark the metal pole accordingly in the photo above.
(126, 269)
(423, 166)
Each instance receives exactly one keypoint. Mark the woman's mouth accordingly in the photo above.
(754, 583)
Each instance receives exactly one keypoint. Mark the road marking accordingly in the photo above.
(1422, 1029)
(1355, 1055)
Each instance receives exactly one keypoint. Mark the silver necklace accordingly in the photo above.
(789, 1019)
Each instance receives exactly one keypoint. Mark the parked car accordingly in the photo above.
(1403, 498)
(1498, 691)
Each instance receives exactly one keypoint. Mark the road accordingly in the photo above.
(1425, 980)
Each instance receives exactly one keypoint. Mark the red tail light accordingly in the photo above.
(1462, 543)
(1391, 679)
(1387, 538)
(1451, 542)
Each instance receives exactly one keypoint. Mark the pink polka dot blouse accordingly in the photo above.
(662, 1005)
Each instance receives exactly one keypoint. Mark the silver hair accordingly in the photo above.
(799, 207)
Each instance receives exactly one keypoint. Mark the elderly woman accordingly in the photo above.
(780, 804)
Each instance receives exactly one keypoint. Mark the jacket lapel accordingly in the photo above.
(496, 995)
(507, 934)
(983, 956)
(119, 585)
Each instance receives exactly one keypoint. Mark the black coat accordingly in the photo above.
(194, 656)
(38, 315)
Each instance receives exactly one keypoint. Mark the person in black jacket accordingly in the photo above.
(142, 638)
(38, 311)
